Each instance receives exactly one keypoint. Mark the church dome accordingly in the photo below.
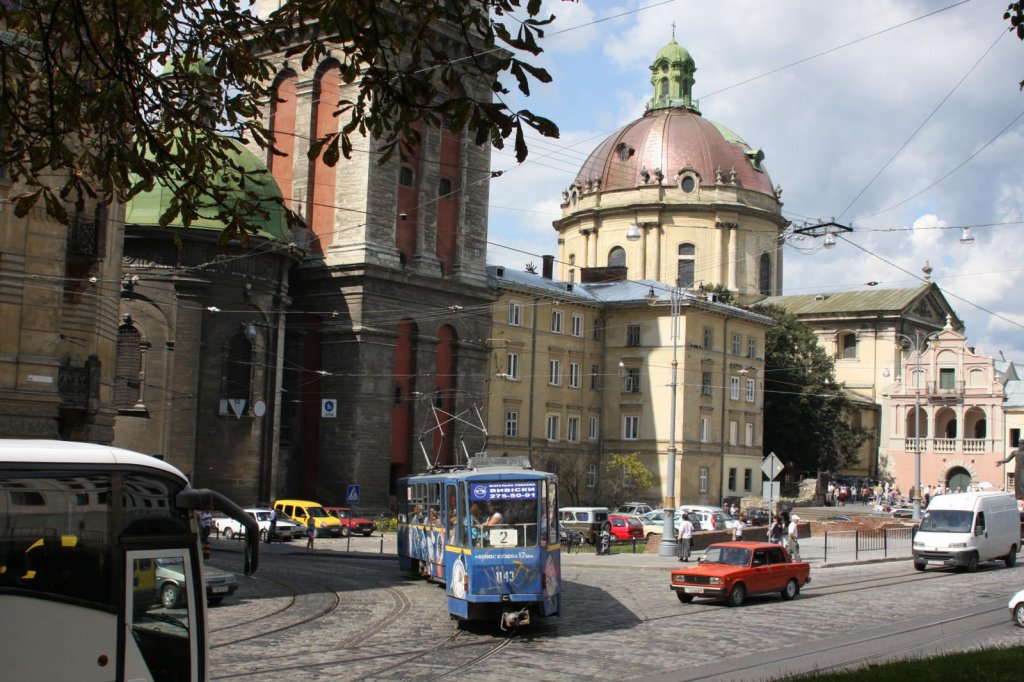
(259, 186)
(673, 140)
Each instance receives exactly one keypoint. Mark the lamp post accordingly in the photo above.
(668, 546)
(916, 343)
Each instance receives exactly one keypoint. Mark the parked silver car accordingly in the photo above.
(170, 582)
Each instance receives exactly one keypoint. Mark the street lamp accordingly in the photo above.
(668, 535)
(916, 343)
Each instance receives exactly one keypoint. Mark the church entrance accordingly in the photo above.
(958, 480)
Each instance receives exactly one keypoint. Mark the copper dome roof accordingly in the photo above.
(670, 140)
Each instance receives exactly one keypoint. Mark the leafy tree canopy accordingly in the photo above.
(88, 112)
(1015, 15)
(624, 475)
(806, 414)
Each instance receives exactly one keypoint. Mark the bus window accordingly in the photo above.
(161, 605)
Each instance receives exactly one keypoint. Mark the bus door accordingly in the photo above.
(162, 616)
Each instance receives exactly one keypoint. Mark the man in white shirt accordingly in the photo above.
(737, 531)
(684, 536)
(792, 542)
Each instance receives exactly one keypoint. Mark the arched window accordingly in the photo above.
(764, 274)
(687, 265)
(664, 87)
(617, 257)
(128, 368)
(237, 376)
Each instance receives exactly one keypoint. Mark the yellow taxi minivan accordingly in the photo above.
(300, 510)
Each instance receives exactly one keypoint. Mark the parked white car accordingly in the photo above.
(285, 530)
(1017, 609)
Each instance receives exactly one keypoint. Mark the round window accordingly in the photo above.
(688, 183)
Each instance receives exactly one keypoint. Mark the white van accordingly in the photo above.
(587, 520)
(963, 529)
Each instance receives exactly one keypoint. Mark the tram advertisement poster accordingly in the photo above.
(524, 490)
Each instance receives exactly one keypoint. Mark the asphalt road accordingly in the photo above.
(343, 612)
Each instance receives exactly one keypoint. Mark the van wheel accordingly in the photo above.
(972, 563)
(1018, 615)
(1011, 558)
(918, 566)
(170, 595)
(228, 534)
(345, 531)
(791, 590)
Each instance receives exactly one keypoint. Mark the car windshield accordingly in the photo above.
(947, 521)
(733, 556)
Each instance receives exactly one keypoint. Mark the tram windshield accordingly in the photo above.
(504, 513)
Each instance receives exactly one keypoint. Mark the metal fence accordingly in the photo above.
(865, 544)
(617, 547)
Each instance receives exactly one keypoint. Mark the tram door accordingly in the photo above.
(161, 616)
(452, 532)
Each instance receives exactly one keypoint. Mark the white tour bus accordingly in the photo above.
(83, 529)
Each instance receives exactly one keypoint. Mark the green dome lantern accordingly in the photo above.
(672, 78)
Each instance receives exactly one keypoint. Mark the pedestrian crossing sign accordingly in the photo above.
(352, 496)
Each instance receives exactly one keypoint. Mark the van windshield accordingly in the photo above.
(947, 521)
(317, 511)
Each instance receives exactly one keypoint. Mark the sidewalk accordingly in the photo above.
(812, 550)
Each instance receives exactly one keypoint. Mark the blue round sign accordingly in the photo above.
(478, 492)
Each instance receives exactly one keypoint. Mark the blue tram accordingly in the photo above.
(488, 531)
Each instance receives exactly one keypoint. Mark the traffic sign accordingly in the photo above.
(328, 408)
(352, 494)
(772, 466)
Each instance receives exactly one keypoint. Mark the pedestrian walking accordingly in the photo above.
(310, 532)
(776, 530)
(737, 531)
(792, 533)
(273, 526)
(684, 536)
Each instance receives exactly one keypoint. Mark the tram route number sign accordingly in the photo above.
(503, 491)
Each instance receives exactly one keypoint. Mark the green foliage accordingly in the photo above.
(100, 99)
(621, 469)
(1015, 15)
(992, 665)
(385, 525)
(806, 414)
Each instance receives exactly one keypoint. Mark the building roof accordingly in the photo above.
(623, 292)
(1014, 394)
(146, 208)
(867, 300)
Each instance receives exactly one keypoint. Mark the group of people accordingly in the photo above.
(782, 531)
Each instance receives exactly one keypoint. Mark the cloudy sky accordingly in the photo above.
(903, 119)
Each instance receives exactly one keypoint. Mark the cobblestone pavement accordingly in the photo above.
(343, 612)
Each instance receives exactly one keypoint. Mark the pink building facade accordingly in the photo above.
(947, 406)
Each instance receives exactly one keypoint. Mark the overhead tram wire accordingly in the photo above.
(922, 279)
(923, 124)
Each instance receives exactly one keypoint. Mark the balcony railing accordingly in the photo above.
(939, 389)
(947, 445)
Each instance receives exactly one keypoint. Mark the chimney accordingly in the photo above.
(549, 267)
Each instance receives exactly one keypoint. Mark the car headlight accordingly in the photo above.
(323, 524)
(679, 578)
(918, 544)
(715, 581)
(957, 545)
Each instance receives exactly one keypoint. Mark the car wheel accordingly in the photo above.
(650, 536)
(972, 563)
(228, 534)
(170, 595)
(345, 531)
(214, 601)
(791, 589)
(738, 595)
(1011, 558)
(685, 598)
(1018, 615)
(918, 566)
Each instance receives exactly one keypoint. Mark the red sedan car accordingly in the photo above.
(350, 521)
(624, 527)
(732, 571)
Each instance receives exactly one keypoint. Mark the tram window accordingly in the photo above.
(550, 509)
(451, 511)
(511, 520)
(465, 520)
(434, 504)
